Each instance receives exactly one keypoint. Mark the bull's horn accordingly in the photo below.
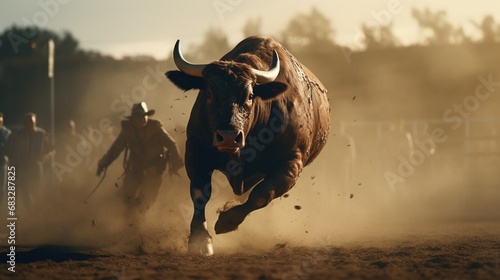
(191, 69)
(271, 74)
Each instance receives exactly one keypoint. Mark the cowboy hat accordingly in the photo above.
(140, 109)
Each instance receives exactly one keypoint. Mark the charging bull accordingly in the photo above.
(260, 117)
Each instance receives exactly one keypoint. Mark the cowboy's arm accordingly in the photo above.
(114, 151)
(176, 161)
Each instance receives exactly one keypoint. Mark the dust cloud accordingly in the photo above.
(59, 212)
(412, 147)
(413, 150)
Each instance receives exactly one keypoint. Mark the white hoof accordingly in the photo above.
(200, 242)
(200, 246)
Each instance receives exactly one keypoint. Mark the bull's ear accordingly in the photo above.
(269, 91)
(184, 81)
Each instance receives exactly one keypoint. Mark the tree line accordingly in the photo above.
(84, 74)
(303, 30)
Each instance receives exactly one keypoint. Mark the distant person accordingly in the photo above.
(148, 148)
(28, 149)
(69, 136)
(4, 160)
(69, 145)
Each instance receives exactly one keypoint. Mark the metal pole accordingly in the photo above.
(52, 93)
(52, 107)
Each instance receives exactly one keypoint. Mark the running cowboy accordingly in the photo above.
(148, 149)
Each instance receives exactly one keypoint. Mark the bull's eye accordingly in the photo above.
(251, 96)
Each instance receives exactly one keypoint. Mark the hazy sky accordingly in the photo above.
(128, 27)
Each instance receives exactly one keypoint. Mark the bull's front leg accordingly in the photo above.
(200, 241)
(278, 181)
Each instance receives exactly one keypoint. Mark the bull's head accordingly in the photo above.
(231, 91)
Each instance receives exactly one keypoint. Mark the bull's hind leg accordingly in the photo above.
(252, 181)
(241, 186)
(277, 182)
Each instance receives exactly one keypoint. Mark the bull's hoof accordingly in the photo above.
(200, 244)
(229, 220)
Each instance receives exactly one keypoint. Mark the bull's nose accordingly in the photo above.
(229, 139)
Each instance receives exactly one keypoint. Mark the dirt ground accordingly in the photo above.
(316, 231)
(453, 251)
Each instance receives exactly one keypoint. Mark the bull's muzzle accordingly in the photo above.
(229, 140)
